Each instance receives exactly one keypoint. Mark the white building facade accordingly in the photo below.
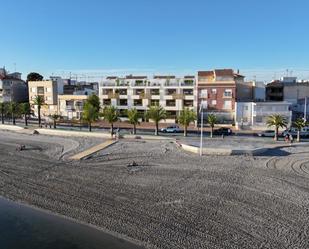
(140, 92)
(254, 115)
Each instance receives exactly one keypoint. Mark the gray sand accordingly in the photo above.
(170, 199)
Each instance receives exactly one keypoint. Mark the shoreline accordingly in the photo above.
(73, 220)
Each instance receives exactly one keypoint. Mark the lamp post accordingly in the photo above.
(202, 125)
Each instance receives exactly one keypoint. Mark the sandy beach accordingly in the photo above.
(170, 198)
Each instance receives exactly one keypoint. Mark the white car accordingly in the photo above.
(267, 133)
(171, 129)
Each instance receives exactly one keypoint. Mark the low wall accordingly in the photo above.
(64, 133)
(229, 152)
(11, 127)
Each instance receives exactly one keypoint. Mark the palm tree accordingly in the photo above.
(55, 117)
(39, 101)
(299, 124)
(13, 109)
(133, 117)
(25, 110)
(111, 115)
(3, 109)
(278, 121)
(156, 113)
(186, 117)
(90, 114)
(212, 120)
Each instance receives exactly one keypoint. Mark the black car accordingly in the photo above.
(223, 131)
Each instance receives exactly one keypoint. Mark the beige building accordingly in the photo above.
(49, 90)
(71, 106)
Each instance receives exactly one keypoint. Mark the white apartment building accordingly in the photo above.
(254, 115)
(140, 92)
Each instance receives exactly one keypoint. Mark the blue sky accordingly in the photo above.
(93, 37)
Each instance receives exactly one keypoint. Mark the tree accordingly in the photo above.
(14, 110)
(94, 101)
(111, 115)
(212, 120)
(55, 117)
(3, 110)
(26, 111)
(156, 113)
(90, 114)
(39, 101)
(278, 121)
(186, 117)
(133, 117)
(299, 124)
(34, 77)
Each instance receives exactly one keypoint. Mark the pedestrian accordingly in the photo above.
(291, 139)
(287, 138)
(117, 134)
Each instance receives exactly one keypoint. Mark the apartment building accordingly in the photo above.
(216, 90)
(12, 87)
(172, 93)
(49, 90)
(71, 106)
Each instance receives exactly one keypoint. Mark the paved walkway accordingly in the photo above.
(93, 150)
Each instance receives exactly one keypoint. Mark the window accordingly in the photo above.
(259, 119)
(188, 91)
(171, 102)
(138, 102)
(139, 91)
(155, 92)
(227, 93)
(214, 91)
(48, 89)
(154, 102)
(171, 91)
(214, 102)
(188, 103)
(246, 108)
(204, 93)
(40, 90)
(33, 89)
(123, 102)
(227, 104)
(106, 101)
(122, 91)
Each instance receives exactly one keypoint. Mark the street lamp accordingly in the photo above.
(202, 125)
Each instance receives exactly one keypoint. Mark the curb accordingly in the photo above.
(230, 152)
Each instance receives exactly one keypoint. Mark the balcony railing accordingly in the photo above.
(178, 96)
(145, 96)
(113, 95)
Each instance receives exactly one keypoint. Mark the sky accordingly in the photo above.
(94, 38)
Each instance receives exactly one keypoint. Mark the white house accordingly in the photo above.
(254, 115)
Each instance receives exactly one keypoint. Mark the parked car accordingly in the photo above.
(293, 131)
(171, 129)
(267, 133)
(223, 131)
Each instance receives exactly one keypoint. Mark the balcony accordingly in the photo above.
(113, 95)
(70, 108)
(178, 96)
(145, 95)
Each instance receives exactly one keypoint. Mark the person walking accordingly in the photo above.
(291, 139)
